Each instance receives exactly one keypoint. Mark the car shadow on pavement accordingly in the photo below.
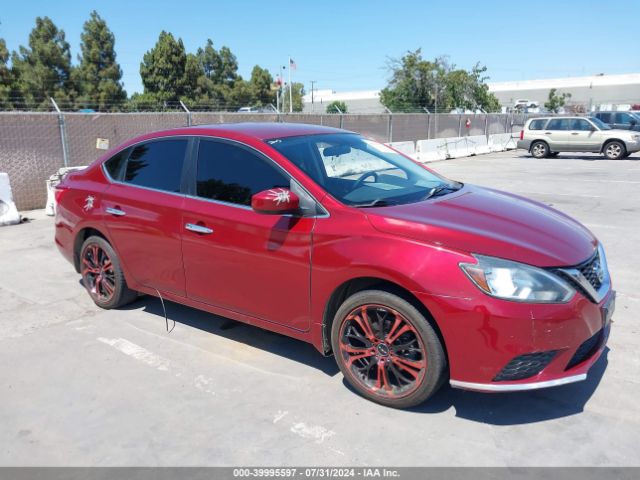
(256, 337)
(519, 407)
(492, 408)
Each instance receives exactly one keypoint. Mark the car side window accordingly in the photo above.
(605, 117)
(115, 164)
(232, 174)
(580, 124)
(623, 118)
(559, 124)
(157, 164)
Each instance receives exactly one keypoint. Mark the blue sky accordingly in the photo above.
(344, 45)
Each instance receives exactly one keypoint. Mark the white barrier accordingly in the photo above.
(55, 179)
(430, 150)
(408, 148)
(458, 147)
(477, 144)
(501, 142)
(8, 212)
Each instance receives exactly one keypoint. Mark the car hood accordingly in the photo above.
(490, 222)
(617, 132)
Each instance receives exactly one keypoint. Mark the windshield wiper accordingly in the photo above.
(440, 189)
(378, 202)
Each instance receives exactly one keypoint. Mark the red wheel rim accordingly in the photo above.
(382, 351)
(98, 273)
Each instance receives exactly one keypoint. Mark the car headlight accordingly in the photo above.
(516, 281)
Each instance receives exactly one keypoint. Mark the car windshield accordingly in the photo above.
(600, 124)
(360, 172)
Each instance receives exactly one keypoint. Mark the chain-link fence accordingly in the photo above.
(35, 145)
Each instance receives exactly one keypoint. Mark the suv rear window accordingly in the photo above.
(537, 124)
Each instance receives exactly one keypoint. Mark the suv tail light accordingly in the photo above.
(521, 134)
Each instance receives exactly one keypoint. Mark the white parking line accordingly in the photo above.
(596, 225)
(606, 181)
(560, 194)
(315, 432)
(136, 351)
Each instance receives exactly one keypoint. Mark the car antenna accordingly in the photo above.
(164, 310)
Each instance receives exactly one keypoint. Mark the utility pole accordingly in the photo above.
(283, 89)
(435, 109)
(290, 88)
(312, 82)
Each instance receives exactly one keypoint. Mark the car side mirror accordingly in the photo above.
(275, 201)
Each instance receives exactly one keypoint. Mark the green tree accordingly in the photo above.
(261, 84)
(141, 102)
(468, 90)
(556, 101)
(163, 69)
(6, 79)
(297, 92)
(193, 71)
(337, 107)
(44, 69)
(414, 83)
(417, 83)
(210, 60)
(228, 72)
(98, 76)
(240, 95)
(216, 85)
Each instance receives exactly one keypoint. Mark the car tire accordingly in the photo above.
(539, 149)
(102, 274)
(387, 350)
(615, 150)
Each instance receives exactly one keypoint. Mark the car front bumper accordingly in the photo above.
(484, 336)
(633, 147)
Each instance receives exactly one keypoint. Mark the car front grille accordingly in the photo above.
(525, 366)
(592, 270)
(589, 347)
(587, 277)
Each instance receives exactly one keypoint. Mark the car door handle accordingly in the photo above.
(115, 211)
(575, 133)
(198, 228)
(548, 133)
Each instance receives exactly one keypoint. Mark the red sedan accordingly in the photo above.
(409, 279)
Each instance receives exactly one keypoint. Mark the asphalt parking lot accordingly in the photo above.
(83, 386)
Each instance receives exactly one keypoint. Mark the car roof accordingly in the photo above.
(633, 112)
(268, 130)
(559, 117)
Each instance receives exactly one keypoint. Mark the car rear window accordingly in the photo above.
(537, 124)
(157, 165)
(114, 164)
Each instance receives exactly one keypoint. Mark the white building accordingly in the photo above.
(605, 91)
(364, 101)
(593, 91)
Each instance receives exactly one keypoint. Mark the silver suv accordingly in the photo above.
(544, 137)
